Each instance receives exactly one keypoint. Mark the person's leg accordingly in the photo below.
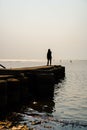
(50, 61)
(47, 62)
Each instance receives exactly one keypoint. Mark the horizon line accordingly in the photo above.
(39, 60)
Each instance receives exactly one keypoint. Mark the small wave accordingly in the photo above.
(73, 123)
(35, 118)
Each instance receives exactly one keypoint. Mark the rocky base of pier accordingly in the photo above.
(20, 84)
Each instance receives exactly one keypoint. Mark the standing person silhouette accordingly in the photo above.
(49, 57)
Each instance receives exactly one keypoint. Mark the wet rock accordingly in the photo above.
(36, 122)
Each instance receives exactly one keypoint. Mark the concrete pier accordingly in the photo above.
(13, 91)
(3, 93)
(19, 84)
(24, 88)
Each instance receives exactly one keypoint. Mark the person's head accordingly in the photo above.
(48, 49)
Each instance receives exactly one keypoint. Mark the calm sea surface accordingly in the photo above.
(68, 108)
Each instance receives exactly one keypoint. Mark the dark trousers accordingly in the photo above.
(49, 62)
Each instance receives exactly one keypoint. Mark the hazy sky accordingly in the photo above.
(29, 27)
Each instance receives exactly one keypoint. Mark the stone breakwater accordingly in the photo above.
(20, 84)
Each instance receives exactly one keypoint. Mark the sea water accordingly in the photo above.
(67, 110)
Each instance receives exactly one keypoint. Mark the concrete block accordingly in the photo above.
(3, 93)
(13, 91)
